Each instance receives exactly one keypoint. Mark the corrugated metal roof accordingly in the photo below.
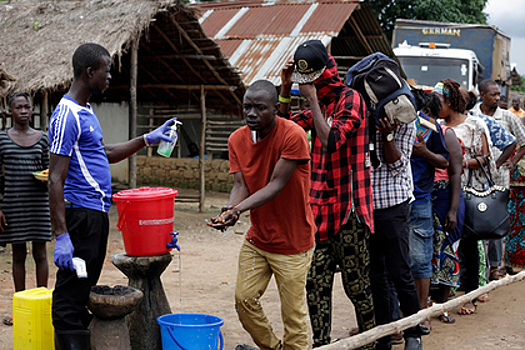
(330, 18)
(267, 33)
(259, 37)
(265, 57)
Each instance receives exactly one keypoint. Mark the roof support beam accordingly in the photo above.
(188, 87)
(177, 87)
(172, 45)
(362, 38)
(198, 50)
(194, 57)
(152, 76)
(167, 66)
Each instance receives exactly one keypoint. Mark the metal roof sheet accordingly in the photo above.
(267, 32)
(264, 58)
(329, 18)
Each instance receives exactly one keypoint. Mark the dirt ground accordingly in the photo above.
(201, 279)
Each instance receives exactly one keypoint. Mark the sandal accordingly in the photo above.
(425, 327)
(467, 310)
(445, 317)
(397, 338)
(510, 270)
(495, 275)
(8, 321)
(485, 298)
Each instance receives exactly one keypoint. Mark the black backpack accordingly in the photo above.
(378, 79)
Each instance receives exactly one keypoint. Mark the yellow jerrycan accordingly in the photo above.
(32, 325)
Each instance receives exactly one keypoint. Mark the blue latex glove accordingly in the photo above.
(64, 252)
(160, 133)
(174, 240)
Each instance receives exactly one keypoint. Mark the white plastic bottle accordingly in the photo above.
(165, 148)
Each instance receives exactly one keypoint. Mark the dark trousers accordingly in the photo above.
(495, 253)
(349, 250)
(468, 254)
(389, 252)
(88, 230)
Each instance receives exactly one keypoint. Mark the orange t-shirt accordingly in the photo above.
(285, 224)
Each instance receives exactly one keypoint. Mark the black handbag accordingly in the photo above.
(486, 215)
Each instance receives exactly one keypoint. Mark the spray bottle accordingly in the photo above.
(165, 148)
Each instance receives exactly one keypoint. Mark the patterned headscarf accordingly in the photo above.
(441, 89)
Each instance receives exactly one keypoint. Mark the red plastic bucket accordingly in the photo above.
(145, 218)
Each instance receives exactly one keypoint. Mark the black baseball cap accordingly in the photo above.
(310, 59)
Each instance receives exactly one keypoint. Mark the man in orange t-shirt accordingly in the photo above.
(516, 108)
(269, 160)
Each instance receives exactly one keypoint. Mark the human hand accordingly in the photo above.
(385, 127)
(508, 164)
(160, 133)
(3, 223)
(64, 252)
(309, 92)
(173, 243)
(420, 147)
(227, 217)
(450, 220)
(286, 73)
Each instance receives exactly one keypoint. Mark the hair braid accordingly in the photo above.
(455, 98)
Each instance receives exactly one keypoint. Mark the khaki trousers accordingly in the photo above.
(256, 268)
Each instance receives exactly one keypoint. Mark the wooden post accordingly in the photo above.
(151, 125)
(356, 341)
(134, 47)
(44, 111)
(202, 188)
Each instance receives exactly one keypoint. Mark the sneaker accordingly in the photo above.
(245, 347)
(413, 343)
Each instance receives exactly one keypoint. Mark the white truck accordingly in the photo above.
(427, 63)
(467, 53)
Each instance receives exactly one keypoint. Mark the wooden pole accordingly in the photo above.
(44, 111)
(134, 47)
(375, 333)
(151, 113)
(202, 188)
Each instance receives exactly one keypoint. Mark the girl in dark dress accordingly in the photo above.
(25, 206)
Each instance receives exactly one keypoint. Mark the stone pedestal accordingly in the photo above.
(144, 274)
(109, 306)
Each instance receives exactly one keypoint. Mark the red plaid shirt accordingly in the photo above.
(347, 157)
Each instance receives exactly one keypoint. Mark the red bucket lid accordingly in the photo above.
(145, 193)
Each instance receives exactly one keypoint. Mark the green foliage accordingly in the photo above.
(520, 88)
(456, 11)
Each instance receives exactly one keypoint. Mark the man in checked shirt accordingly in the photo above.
(341, 195)
(392, 190)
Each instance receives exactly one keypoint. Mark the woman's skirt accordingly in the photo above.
(445, 262)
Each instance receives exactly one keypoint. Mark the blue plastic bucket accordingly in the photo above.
(190, 332)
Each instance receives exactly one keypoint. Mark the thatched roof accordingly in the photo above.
(7, 82)
(38, 40)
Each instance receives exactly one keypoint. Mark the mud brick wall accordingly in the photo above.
(183, 173)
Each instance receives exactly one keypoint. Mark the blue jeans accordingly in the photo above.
(420, 240)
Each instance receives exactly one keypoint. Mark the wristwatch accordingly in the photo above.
(389, 137)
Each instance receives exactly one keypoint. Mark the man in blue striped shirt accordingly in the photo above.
(80, 191)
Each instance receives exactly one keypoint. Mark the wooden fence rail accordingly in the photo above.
(375, 333)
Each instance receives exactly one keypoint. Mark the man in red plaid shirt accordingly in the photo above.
(341, 195)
